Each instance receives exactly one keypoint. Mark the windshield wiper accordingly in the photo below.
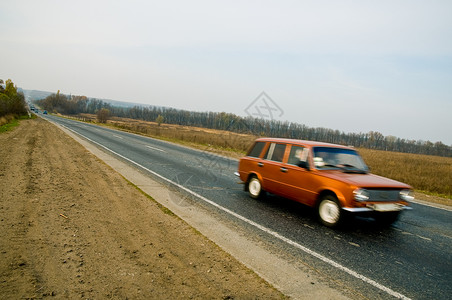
(347, 168)
(330, 165)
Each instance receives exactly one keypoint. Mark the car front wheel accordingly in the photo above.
(329, 210)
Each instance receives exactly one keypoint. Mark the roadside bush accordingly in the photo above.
(103, 115)
(11, 102)
(6, 119)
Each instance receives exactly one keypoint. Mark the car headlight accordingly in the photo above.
(361, 195)
(407, 195)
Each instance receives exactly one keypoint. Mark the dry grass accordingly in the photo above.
(428, 174)
(6, 119)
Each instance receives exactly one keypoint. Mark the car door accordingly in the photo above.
(298, 182)
(270, 167)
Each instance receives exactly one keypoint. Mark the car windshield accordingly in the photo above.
(347, 160)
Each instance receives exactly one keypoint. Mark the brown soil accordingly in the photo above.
(71, 227)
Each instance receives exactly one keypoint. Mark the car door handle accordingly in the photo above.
(284, 170)
(259, 164)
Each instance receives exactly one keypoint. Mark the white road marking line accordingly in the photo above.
(412, 234)
(445, 235)
(433, 206)
(263, 228)
(424, 238)
(153, 148)
(117, 136)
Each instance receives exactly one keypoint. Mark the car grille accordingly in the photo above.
(384, 195)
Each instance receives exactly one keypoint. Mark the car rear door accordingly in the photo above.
(270, 167)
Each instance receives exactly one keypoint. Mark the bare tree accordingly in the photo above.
(103, 115)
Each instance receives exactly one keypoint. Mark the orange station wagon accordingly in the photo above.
(332, 178)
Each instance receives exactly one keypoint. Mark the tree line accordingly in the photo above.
(12, 102)
(226, 121)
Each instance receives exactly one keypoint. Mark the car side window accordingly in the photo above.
(297, 154)
(256, 149)
(275, 152)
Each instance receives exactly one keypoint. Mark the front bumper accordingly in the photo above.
(383, 207)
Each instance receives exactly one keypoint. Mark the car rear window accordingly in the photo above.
(275, 152)
(256, 149)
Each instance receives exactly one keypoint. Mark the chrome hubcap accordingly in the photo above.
(254, 187)
(329, 211)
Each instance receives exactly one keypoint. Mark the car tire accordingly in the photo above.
(255, 188)
(329, 211)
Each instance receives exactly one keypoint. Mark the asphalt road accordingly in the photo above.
(410, 259)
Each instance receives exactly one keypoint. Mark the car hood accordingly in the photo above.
(367, 180)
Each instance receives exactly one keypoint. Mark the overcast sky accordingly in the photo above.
(355, 66)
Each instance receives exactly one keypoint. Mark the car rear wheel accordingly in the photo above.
(329, 210)
(255, 188)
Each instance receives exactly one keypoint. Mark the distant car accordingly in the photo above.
(332, 178)
(45, 112)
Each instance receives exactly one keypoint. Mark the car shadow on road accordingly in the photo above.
(308, 216)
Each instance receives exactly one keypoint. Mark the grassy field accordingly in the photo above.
(427, 174)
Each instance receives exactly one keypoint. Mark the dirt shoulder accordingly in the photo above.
(70, 227)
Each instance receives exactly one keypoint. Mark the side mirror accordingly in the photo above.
(303, 164)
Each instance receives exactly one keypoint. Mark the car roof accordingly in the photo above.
(301, 142)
